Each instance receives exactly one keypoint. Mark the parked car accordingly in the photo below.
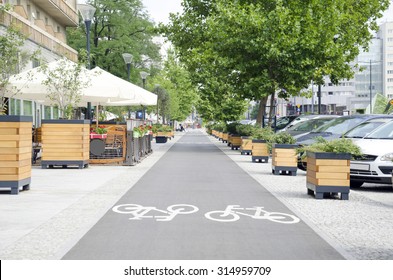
(363, 129)
(376, 165)
(336, 128)
(310, 124)
(284, 121)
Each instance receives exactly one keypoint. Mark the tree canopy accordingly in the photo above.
(118, 27)
(238, 49)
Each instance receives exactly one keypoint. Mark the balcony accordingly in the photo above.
(60, 10)
(38, 36)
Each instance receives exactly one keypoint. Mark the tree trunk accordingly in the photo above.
(262, 110)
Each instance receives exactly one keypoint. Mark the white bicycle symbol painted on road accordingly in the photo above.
(232, 213)
(140, 212)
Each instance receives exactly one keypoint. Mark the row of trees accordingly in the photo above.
(241, 50)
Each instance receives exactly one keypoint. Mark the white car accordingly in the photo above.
(376, 165)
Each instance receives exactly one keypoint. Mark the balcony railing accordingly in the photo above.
(61, 10)
(38, 36)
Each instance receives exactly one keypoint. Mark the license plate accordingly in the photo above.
(360, 166)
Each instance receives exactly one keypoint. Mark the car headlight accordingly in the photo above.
(387, 157)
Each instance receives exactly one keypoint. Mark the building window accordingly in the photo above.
(58, 29)
(46, 21)
(36, 63)
(330, 93)
(47, 112)
(390, 39)
(27, 108)
(390, 71)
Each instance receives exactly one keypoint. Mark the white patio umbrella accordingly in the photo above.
(103, 87)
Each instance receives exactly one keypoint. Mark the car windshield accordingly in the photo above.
(339, 125)
(383, 132)
(309, 124)
(364, 128)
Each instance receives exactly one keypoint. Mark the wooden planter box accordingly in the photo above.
(225, 137)
(229, 142)
(236, 142)
(65, 143)
(328, 173)
(284, 159)
(15, 152)
(220, 135)
(260, 151)
(246, 146)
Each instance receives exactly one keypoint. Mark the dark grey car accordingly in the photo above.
(336, 128)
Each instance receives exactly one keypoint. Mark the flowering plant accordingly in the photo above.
(100, 129)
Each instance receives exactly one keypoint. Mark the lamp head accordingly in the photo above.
(87, 11)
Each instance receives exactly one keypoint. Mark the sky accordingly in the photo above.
(159, 9)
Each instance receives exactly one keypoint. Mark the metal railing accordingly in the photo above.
(39, 37)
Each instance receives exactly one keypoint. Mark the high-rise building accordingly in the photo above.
(386, 32)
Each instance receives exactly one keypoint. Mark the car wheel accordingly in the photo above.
(355, 184)
(302, 166)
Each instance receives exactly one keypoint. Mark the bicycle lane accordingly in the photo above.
(197, 173)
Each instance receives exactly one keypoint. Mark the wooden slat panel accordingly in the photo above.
(280, 162)
(336, 182)
(64, 133)
(335, 175)
(16, 125)
(15, 144)
(11, 151)
(16, 177)
(14, 170)
(284, 152)
(328, 162)
(55, 125)
(19, 163)
(13, 137)
(56, 137)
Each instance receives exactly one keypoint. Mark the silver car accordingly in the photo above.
(376, 165)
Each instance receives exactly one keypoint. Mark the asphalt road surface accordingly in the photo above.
(195, 203)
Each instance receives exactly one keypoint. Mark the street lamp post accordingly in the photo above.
(370, 62)
(144, 76)
(127, 60)
(371, 96)
(157, 91)
(87, 12)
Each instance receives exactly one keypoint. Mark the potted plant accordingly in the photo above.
(328, 166)
(284, 154)
(260, 139)
(245, 131)
(66, 141)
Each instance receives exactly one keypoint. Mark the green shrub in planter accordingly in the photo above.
(328, 166)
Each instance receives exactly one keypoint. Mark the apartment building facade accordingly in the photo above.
(44, 23)
(353, 96)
